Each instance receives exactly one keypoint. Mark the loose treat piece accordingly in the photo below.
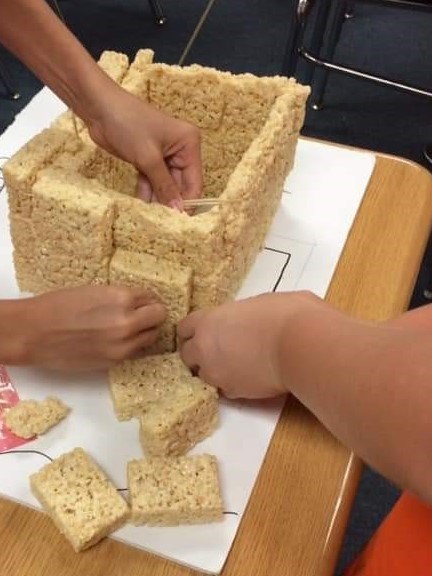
(138, 384)
(83, 503)
(135, 384)
(173, 491)
(174, 425)
(29, 417)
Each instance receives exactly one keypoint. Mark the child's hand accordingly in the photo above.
(236, 346)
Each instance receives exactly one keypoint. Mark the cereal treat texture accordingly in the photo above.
(176, 410)
(173, 491)
(29, 417)
(170, 284)
(83, 503)
(176, 424)
(76, 217)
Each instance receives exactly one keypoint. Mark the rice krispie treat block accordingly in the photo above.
(249, 128)
(136, 385)
(174, 425)
(74, 240)
(84, 505)
(170, 284)
(173, 491)
(20, 172)
(29, 417)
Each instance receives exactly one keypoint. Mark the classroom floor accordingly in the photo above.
(250, 36)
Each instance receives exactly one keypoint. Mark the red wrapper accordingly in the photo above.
(8, 397)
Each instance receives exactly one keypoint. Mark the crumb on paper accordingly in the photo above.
(29, 418)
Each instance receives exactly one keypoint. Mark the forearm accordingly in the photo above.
(31, 30)
(370, 385)
(13, 346)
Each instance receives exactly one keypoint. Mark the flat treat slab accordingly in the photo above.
(83, 503)
(172, 491)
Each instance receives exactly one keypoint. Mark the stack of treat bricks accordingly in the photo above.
(73, 212)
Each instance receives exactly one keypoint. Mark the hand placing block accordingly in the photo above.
(173, 491)
(83, 503)
(171, 285)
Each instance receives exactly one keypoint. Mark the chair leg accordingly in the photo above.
(317, 37)
(158, 13)
(337, 19)
(297, 17)
(5, 77)
(349, 10)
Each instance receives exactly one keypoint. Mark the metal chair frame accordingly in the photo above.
(329, 18)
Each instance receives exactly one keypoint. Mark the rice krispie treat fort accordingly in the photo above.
(75, 219)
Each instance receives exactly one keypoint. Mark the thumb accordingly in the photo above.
(162, 183)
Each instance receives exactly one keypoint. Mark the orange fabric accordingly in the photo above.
(402, 546)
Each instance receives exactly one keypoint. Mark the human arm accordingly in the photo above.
(83, 328)
(370, 384)
(166, 151)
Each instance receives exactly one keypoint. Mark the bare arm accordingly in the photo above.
(165, 151)
(31, 30)
(369, 384)
(83, 328)
(12, 344)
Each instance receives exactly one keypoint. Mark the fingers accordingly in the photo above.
(144, 191)
(162, 183)
(187, 327)
(192, 178)
(176, 173)
(143, 341)
(133, 347)
(147, 318)
(189, 356)
(143, 298)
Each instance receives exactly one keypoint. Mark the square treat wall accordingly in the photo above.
(73, 212)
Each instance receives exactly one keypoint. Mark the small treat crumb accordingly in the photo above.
(30, 417)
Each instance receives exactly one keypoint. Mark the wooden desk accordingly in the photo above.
(298, 512)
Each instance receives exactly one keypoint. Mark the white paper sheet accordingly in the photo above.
(321, 198)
